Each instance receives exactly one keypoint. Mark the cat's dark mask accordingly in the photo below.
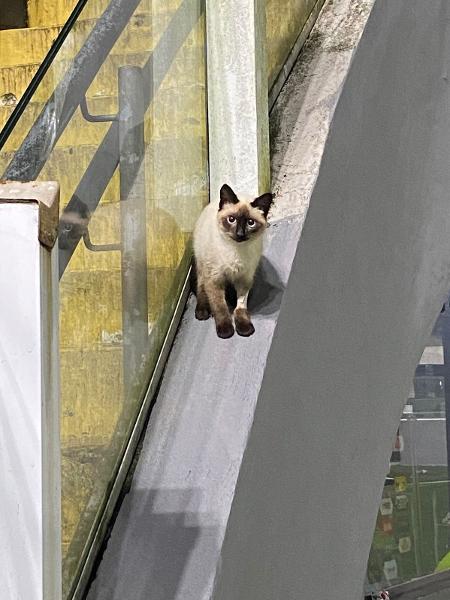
(240, 220)
(262, 203)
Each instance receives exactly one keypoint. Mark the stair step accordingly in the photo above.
(30, 45)
(187, 69)
(42, 13)
(174, 168)
(91, 306)
(171, 114)
(165, 241)
(15, 80)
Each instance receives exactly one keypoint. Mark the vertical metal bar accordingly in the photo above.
(416, 505)
(133, 226)
(446, 349)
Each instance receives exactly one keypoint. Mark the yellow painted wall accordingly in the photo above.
(284, 22)
(44, 13)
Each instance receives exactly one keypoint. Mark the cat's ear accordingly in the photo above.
(263, 203)
(227, 196)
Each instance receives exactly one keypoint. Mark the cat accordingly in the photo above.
(228, 242)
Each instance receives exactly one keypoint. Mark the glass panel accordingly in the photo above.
(412, 534)
(103, 380)
(285, 20)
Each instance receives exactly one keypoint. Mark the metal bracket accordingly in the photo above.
(98, 247)
(95, 118)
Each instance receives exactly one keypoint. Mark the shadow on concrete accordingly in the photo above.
(266, 293)
(265, 296)
(151, 544)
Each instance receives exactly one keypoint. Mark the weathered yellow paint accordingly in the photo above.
(22, 51)
(15, 79)
(285, 19)
(44, 13)
(87, 374)
(25, 46)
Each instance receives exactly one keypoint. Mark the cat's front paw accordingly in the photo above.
(202, 313)
(225, 329)
(245, 328)
(243, 324)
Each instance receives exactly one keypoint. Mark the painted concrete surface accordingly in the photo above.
(167, 539)
(238, 123)
(300, 120)
(30, 527)
(369, 278)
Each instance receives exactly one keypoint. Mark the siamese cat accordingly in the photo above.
(228, 241)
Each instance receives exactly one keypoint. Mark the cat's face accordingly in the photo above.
(242, 221)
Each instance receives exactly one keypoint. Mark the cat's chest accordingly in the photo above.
(235, 265)
(238, 261)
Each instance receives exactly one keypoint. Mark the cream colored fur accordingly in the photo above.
(219, 257)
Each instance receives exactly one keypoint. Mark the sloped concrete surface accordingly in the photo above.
(370, 276)
(167, 539)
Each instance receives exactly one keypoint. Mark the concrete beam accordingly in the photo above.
(237, 96)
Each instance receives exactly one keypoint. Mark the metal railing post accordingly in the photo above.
(30, 493)
(133, 224)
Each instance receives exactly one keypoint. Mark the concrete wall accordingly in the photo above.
(369, 278)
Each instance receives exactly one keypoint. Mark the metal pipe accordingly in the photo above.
(133, 228)
(34, 151)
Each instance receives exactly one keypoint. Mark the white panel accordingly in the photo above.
(22, 261)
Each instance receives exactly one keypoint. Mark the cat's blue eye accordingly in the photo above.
(251, 222)
(231, 219)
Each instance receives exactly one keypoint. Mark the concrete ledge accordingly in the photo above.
(46, 194)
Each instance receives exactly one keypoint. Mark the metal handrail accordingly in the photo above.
(34, 151)
(42, 70)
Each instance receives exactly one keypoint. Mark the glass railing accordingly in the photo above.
(284, 22)
(412, 534)
(119, 120)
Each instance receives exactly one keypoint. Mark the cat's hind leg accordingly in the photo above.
(202, 310)
(242, 321)
(219, 308)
